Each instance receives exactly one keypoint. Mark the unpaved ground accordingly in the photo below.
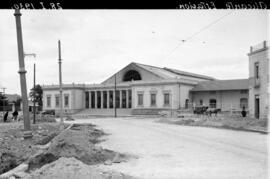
(234, 123)
(172, 151)
(74, 154)
(71, 168)
(14, 149)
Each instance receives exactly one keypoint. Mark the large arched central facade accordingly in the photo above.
(132, 75)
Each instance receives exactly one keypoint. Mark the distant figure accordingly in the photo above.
(244, 113)
(15, 115)
(6, 116)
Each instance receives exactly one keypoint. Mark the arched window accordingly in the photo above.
(132, 75)
(213, 103)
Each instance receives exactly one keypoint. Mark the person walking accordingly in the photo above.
(6, 116)
(244, 113)
(15, 115)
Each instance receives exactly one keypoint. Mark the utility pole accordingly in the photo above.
(60, 83)
(34, 107)
(34, 101)
(115, 114)
(27, 129)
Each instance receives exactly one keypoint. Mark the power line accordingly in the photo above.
(196, 33)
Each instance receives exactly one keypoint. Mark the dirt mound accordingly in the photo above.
(7, 161)
(79, 142)
(70, 168)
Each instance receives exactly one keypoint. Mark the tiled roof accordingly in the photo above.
(218, 85)
(168, 73)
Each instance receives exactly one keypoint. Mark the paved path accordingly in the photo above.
(174, 152)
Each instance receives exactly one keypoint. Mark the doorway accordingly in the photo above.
(257, 106)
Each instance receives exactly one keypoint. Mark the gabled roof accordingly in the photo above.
(219, 85)
(168, 73)
(158, 71)
(188, 74)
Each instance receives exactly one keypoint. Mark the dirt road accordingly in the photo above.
(171, 152)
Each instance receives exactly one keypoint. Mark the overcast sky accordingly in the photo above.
(98, 43)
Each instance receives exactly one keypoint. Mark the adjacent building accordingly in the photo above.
(143, 89)
(259, 80)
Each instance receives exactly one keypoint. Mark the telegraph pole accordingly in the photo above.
(115, 114)
(60, 82)
(34, 107)
(27, 129)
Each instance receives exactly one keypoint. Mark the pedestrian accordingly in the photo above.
(15, 115)
(244, 113)
(6, 116)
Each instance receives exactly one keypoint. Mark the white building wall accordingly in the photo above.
(184, 92)
(78, 99)
(263, 59)
(226, 100)
(173, 89)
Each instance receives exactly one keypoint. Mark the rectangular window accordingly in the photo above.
(201, 102)
(98, 99)
(256, 70)
(111, 93)
(153, 99)
(93, 99)
(124, 99)
(66, 100)
(48, 101)
(87, 99)
(243, 103)
(213, 103)
(140, 99)
(117, 98)
(105, 99)
(57, 100)
(166, 98)
(129, 98)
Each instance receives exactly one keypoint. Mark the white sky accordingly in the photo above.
(97, 43)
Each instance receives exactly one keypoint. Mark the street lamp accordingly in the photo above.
(27, 129)
(34, 90)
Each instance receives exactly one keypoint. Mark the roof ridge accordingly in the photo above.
(190, 73)
(147, 65)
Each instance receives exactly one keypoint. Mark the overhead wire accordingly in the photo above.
(196, 33)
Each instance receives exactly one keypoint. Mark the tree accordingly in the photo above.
(36, 93)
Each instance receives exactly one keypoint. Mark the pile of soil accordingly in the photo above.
(14, 150)
(79, 142)
(70, 168)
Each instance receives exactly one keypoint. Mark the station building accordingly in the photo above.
(140, 89)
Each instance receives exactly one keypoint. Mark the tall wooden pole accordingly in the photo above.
(22, 71)
(60, 81)
(115, 113)
(34, 107)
